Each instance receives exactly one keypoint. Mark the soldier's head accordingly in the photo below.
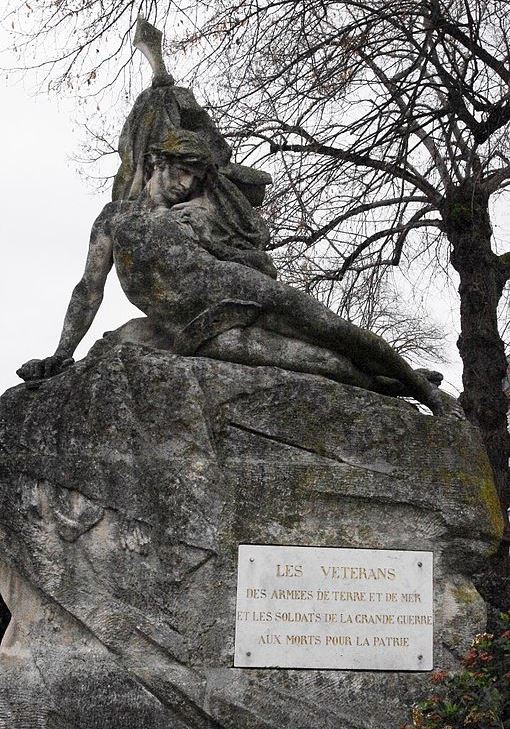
(178, 169)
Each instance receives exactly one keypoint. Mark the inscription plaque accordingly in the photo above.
(322, 607)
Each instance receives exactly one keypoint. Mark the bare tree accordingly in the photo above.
(385, 124)
(389, 123)
(406, 326)
(374, 302)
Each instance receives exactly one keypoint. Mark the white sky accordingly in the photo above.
(46, 215)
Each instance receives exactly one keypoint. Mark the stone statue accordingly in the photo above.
(165, 107)
(188, 247)
(129, 480)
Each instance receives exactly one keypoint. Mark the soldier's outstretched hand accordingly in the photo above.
(40, 369)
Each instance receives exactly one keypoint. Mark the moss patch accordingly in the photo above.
(489, 498)
(480, 493)
(465, 594)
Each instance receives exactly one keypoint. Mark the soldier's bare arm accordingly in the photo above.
(85, 301)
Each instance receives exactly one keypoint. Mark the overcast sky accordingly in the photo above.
(46, 215)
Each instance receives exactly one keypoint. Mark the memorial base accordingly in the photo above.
(128, 484)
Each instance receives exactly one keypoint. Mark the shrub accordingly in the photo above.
(477, 696)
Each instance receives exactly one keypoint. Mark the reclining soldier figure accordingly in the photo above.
(189, 253)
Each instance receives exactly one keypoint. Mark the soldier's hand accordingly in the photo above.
(40, 369)
(197, 216)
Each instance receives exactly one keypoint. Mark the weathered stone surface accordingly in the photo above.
(127, 483)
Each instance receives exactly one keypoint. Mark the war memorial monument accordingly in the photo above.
(226, 516)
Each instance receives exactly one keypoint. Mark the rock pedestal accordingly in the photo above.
(127, 484)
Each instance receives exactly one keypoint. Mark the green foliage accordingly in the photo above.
(476, 697)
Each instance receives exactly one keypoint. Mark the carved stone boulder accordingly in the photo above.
(127, 484)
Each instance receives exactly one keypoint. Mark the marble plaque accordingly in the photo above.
(317, 607)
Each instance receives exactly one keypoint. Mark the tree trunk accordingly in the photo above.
(467, 224)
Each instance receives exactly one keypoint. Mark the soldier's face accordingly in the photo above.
(171, 183)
